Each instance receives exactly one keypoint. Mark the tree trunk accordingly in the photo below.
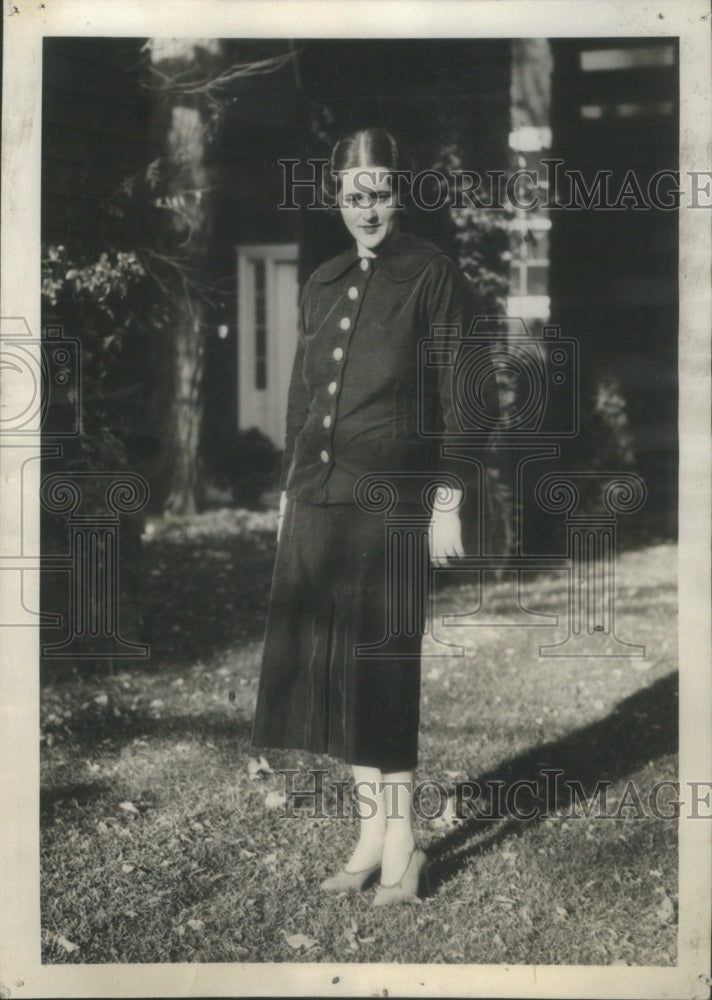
(180, 133)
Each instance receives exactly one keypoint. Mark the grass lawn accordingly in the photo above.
(158, 845)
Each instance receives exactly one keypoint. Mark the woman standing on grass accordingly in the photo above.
(354, 409)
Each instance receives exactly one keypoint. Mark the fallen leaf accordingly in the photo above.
(68, 946)
(275, 800)
(129, 807)
(665, 912)
(351, 935)
(297, 941)
(258, 768)
(449, 817)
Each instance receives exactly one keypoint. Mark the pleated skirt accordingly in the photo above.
(331, 682)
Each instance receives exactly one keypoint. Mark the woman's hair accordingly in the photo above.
(369, 147)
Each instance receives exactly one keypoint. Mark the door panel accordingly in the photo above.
(267, 335)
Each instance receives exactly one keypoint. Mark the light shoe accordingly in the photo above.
(406, 889)
(344, 881)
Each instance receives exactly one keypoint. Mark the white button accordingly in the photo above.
(338, 353)
(327, 420)
(345, 323)
(364, 264)
(332, 388)
(353, 292)
(324, 456)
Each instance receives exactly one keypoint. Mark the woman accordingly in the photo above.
(356, 407)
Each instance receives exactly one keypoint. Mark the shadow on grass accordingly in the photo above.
(89, 732)
(80, 792)
(111, 733)
(188, 600)
(642, 727)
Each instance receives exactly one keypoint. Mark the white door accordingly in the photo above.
(267, 302)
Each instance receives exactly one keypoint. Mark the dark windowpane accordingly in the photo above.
(260, 327)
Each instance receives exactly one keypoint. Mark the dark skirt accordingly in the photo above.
(330, 595)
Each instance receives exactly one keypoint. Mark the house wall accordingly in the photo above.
(614, 283)
(435, 96)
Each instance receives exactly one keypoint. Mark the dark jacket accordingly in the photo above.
(361, 400)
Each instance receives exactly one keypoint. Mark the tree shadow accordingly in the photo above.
(88, 733)
(81, 792)
(187, 599)
(642, 727)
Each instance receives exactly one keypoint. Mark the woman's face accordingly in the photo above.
(369, 205)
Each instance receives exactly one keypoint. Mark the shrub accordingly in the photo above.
(109, 306)
(248, 463)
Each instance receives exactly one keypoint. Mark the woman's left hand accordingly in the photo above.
(445, 537)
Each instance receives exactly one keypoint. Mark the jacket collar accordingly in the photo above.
(402, 259)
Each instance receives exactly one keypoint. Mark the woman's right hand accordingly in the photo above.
(280, 515)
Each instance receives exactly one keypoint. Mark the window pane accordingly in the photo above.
(260, 326)
(629, 58)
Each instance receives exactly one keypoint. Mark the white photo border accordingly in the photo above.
(21, 971)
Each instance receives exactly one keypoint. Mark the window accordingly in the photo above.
(627, 58)
(260, 324)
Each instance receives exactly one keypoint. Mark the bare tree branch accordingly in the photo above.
(208, 86)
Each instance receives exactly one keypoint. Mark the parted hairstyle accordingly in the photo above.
(369, 147)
